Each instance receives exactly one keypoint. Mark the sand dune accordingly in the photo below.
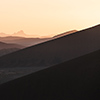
(55, 51)
(77, 79)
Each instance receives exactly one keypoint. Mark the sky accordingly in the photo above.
(48, 17)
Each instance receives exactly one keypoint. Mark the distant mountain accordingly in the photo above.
(19, 38)
(20, 34)
(64, 34)
(77, 79)
(55, 51)
(3, 35)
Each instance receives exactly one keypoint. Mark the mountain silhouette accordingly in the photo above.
(19, 38)
(3, 35)
(55, 51)
(77, 79)
(20, 33)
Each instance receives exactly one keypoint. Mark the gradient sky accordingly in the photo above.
(48, 17)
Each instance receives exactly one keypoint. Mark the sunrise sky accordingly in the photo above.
(48, 17)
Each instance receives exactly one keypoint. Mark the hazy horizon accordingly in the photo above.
(47, 17)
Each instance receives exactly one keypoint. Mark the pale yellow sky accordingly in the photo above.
(48, 17)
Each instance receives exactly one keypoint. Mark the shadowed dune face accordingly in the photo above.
(77, 79)
(55, 51)
(7, 51)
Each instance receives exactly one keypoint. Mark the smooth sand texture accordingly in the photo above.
(78, 79)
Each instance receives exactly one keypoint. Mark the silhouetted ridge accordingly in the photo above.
(55, 51)
(77, 79)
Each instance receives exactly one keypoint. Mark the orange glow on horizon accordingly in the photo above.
(48, 17)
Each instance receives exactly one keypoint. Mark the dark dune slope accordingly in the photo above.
(55, 51)
(77, 79)
(7, 51)
(6, 48)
